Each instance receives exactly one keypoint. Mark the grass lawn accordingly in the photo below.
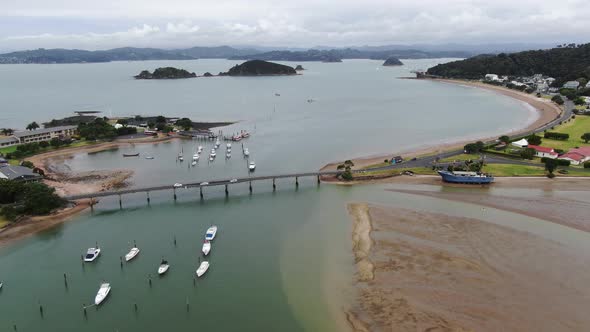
(575, 128)
(8, 149)
(11, 149)
(416, 170)
(460, 157)
(525, 170)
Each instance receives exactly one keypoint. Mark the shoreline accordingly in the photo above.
(546, 111)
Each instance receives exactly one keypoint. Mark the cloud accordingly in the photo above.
(179, 23)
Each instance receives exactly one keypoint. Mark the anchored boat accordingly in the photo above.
(466, 177)
(252, 166)
(130, 154)
(103, 292)
(202, 268)
(211, 232)
(164, 266)
(91, 254)
(131, 254)
(206, 248)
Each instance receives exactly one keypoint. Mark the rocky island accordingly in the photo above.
(299, 67)
(259, 68)
(165, 73)
(392, 61)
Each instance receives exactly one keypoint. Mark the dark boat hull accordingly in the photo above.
(452, 178)
(131, 155)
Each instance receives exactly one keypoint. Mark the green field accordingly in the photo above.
(460, 157)
(3, 222)
(11, 149)
(575, 128)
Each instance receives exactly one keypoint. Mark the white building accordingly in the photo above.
(45, 134)
(571, 85)
(491, 77)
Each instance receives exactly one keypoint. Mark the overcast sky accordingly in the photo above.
(101, 24)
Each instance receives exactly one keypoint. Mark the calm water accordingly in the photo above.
(282, 261)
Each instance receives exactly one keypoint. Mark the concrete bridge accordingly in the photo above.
(202, 184)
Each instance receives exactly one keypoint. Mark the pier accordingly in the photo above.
(204, 183)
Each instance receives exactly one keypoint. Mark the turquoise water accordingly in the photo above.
(282, 260)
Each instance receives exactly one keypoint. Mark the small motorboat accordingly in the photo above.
(1, 284)
(228, 155)
(180, 158)
(196, 156)
(164, 266)
(210, 234)
(149, 157)
(131, 254)
(91, 254)
(213, 153)
(103, 292)
(206, 247)
(202, 268)
(199, 149)
(228, 146)
(130, 154)
(194, 163)
(245, 134)
(246, 152)
(211, 158)
(252, 166)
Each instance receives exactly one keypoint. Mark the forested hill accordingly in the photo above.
(564, 64)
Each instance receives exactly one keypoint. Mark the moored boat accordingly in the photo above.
(149, 157)
(163, 268)
(130, 154)
(103, 292)
(206, 248)
(210, 234)
(202, 268)
(131, 254)
(91, 254)
(252, 166)
(466, 177)
(196, 156)
(246, 152)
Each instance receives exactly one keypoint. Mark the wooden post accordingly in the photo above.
(226, 191)
(274, 186)
(250, 186)
(174, 189)
(296, 181)
(120, 202)
(319, 180)
(201, 191)
(148, 196)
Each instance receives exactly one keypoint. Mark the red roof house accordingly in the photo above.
(542, 151)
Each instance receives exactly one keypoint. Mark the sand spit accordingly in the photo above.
(435, 272)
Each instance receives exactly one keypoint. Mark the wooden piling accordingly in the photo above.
(274, 186)
(148, 196)
(226, 191)
(250, 186)
(120, 202)
(296, 181)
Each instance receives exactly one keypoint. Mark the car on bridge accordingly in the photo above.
(177, 185)
(203, 183)
(233, 180)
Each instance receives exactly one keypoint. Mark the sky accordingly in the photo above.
(103, 24)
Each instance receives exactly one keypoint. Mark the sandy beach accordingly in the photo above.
(546, 111)
(434, 272)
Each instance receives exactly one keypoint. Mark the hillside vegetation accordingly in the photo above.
(562, 63)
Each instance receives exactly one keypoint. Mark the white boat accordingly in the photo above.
(199, 149)
(211, 158)
(1, 284)
(196, 156)
(194, 163)
(91, 254)
(217, 142)
(246, 152)
(252, 166)
(213, 153)
(228, 146)
(103, 292)
(210, 234)
(164, 266)
(149, 157)
(180, 158)
(202, 268)
(206, 248)
(228, 155)
(131, 254)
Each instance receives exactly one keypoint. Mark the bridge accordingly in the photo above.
(201, 185)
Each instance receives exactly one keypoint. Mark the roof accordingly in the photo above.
(17, 173)
(43, 131)
(572, 155)
(8, 140)
(522, 142)
(584, 151)
(541, 148)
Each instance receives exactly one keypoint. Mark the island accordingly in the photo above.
(392, 61)
(207, 74)
(259, 68)
(165, 73)
(299, 67)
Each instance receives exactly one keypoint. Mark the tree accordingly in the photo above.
(474, 147)
(534, 139)
(123, 122)
(161, 118)
(586, 137)
(28, 164)
(504, 139)
(39, 198)
(558, 100)
(43, 144)
(55, 142)
(579, 101)
(527, 153)
(32, 126)
(7, 131)
(185, 123)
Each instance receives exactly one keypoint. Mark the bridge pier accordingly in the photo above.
(274, 186)
(174, 189)
(148, 196)
(250, 187)
(91, 204)
(296, 181)
(201, 192)
(319, 180)
(120, 202)
(226, 191)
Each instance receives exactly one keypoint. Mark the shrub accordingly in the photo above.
(559, 162)
(527, 153)
(550, 175)
(474, 147)
(558, 100)
(586, 137)
(587, 164)
(534, 139)
(43, 144)
(557, 136)
(27, 164)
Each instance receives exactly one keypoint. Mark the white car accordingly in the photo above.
(233, 180)
(203, 183)
(177, 185)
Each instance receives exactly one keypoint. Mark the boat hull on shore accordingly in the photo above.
(466, 177)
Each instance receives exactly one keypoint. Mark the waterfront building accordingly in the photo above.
(577, 156)
(541, 151)
(18, 173)
(571, 85)
(45, 134)
(8, 141)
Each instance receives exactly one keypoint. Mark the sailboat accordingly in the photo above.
(180, 157)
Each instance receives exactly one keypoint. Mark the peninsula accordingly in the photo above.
(392, 61)
(165, 73)
(259, 68)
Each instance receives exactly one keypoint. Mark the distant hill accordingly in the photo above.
(259, 68)
(564, 64)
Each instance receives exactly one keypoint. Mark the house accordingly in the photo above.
(45, 134)
(491, 77)
(500, 146)
(577, 156)
(8, 141)
(18, 173)
(523, 143)
(543, 152)
(571, 85)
